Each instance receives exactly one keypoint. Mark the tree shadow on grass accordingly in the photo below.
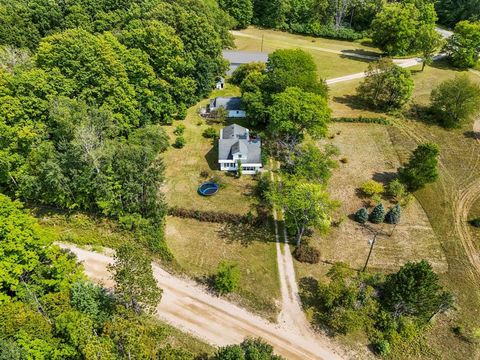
(384, 177)
(212, 157)
(354, 102)
(369, 56)
(472, 135)
(246, 234)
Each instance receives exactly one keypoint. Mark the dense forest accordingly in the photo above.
(84, 86)
(345, 19)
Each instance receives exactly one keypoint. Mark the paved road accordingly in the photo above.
(189, 307)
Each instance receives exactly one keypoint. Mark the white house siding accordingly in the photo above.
(248, 169)
(236, 113)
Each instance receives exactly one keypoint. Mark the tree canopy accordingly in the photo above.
(422, 167)
(463, 46)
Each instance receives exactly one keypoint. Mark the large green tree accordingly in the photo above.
(463, 46)
(240, 10)
(295, 113)
(422, 167)
(386, 85)
(306, 205)
(455, 101)
(134, 280)
(398, 28)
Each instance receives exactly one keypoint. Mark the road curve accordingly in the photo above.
(189, 307)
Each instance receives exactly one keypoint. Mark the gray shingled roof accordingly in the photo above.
(234, 131)
(244, 57)
(229, 103)
(235, 139)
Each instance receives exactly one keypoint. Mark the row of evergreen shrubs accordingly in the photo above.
(326, 31)
(378, 215)
(363, 120)
(214, 216)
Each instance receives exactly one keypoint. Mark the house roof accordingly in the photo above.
(235, 139)
(234, 131)
(244, 57)
(229, 103)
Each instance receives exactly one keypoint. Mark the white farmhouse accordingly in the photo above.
(233, 105)
(235, 147)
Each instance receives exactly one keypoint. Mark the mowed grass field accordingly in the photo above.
(431, 227)
(326, 53)
(199, 247)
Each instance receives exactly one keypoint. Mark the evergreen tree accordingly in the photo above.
(378, 214)
(393, 215)
(361, 216)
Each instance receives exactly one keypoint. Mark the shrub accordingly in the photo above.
(179, 142)
(209, 133)
(227, 278)
(361, 216)
(475, 222)
(383, 348)
(181, 112)
(372, 187)
(306, 254)
(393, 215)
(326, 31)
(396, 189)
(344, 160)
(213, 216)
(378, 214)
(179, 130)
(363, 120)
(204, 174)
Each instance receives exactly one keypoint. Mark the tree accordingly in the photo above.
(292, 68)
(451, 12)
(386, 85)
(242, 71)
(428, 42)
(393, 215)
(295, 113)
(305, 204)
(307, 161)
(463, 46)
(415, 290)
(378, 214)
(249, 349)
(455, 101)
(422, 167)
(227, 278)
(240, 10)
(361, 216)
(134, 281)
(395, 28)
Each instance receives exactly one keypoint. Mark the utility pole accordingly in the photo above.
(370, 252)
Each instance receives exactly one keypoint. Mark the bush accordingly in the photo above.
(393, 215)
(210, 133)
(363, 120)
(475, 222)
(361, 216)
(372, 187)
(383, 348)
(378, 214)
(227, 278)
(306, 254)
(213, 216)
(181, 112)
(204, 174)
(179, 130)
(179, 142)
(326, 31)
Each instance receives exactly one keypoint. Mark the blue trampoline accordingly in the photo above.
(208, 189)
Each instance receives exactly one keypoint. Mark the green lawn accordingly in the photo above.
(325, 52)
(459, 166)
(199, 247)
(183, 167)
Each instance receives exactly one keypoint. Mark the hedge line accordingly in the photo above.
(326, 31)
(364, 120)
(214, 216)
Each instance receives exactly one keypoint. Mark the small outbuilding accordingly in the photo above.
(233, 106)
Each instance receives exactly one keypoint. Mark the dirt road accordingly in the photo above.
(189, 307)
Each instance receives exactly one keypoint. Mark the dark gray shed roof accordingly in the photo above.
(234, 131)
(229, 103)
